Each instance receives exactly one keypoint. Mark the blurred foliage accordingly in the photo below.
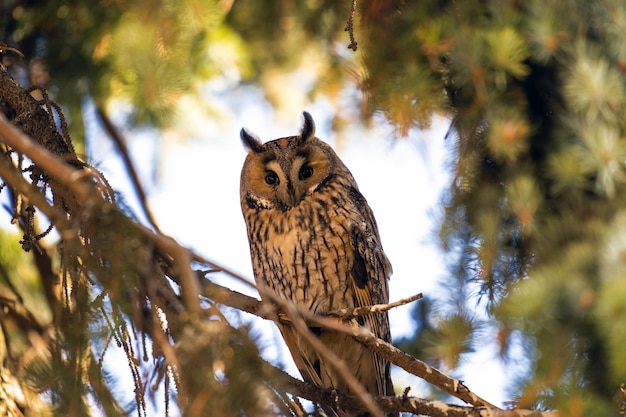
(535, 217)
(148, 54)
(18, 275)
(294, 45)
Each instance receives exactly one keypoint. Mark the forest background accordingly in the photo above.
(526, 100)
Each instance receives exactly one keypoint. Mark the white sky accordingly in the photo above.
(194, 194)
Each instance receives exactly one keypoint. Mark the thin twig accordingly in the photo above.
(4, 47)
(220, 268)
(128, 163)
(350, 27)
(350, 313)
(189, 282)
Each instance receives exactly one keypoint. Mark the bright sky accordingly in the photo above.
(194, 194)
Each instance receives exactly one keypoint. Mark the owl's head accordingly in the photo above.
(280, 173)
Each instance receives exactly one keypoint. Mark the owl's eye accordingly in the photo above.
(271, 178)
(305, 172)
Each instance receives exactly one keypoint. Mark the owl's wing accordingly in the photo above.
(371, 268)
(370, 272)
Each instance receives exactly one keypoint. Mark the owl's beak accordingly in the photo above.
(291, 197)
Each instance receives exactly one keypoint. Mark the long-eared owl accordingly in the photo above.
(314, 241)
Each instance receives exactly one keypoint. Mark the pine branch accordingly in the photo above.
(29, 114)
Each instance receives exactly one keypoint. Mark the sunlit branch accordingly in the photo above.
(350, 313)
(391, 353)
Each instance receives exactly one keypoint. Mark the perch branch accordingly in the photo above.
(407, 362)
(480, 407)
(405, 404)
(391, 353)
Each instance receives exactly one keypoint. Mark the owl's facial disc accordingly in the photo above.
(281, 173)
(287, 180)
(289, 177)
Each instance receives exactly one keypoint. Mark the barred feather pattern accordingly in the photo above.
(314, 241)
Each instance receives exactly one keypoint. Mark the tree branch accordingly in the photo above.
(386, 350)
(128, 163)
(404, 404)
(53, 165)
(350, 313)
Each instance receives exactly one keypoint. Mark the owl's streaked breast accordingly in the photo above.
(304, 253)
(314, 241)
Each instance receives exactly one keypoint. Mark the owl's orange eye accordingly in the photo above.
(271, 178)
(305, 172)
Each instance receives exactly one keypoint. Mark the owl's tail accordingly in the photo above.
(315, 372)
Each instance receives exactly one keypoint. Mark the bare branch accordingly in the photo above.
(220, 268)
(410, 364)
(235, 299)
(128, 163)
(350, 313)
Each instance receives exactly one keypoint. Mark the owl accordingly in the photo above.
(314, 241)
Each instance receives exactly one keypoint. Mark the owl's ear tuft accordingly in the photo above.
(308, 128)
(250, 141)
